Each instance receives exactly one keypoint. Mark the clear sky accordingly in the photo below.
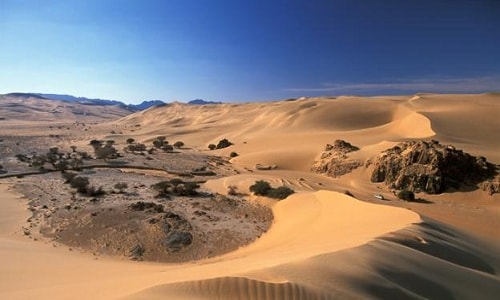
(232, 50)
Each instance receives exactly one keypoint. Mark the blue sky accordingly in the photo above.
(248, 50)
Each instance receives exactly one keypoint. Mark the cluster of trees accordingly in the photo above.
(159, 143)
(58, 160)
(175, 187)
(264, 188)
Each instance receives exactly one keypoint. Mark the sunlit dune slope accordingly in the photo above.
(289, 134)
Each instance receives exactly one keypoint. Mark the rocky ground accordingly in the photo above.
(132, 219)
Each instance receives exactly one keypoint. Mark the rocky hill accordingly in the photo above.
(21, 107)
(428, 166)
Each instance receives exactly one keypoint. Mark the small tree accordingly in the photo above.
(212, 147)
(130, 141)
(233, 154)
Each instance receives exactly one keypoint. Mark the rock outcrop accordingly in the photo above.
(429, 167)
(334, 160)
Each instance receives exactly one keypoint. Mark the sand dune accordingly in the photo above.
(322, 244)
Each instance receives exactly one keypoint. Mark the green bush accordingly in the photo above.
(406, 195)
(263, 188)
(280, 192)
(260, 188)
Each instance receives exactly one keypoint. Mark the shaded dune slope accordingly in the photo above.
(427, 260)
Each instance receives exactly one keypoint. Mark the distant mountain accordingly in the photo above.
(88, 101)
(202, 102)
(145, 104)
(25, 95)
(81, 100)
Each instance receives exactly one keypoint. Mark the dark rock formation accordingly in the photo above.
(492, 186)
(177, 230)
(334, 161)
(429, 167)
(176, 240)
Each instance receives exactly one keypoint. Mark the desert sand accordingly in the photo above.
(322, 244)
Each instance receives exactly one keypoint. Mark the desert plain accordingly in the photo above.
(342, 234)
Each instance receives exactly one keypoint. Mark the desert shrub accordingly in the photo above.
(212, 147)
(22, 158)
(167, 148)
(130, 140)
(178, 144)
(157, 143)
(68, 176)
(224, 143)
(233, 154)
(175, 187)
(80, 184)
(176, 181)
(263, 188)
(260, 188)
(92, 191)
(136, 147)
(190, 189)
(232, 190)
(121, 186)
(150, 206)
(406, 195)
(280, 192)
